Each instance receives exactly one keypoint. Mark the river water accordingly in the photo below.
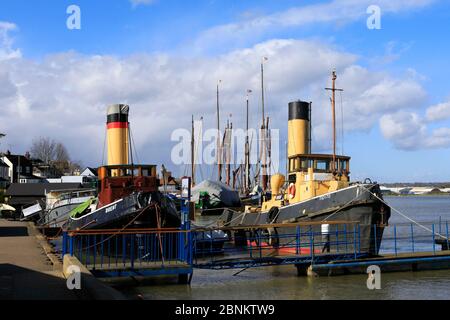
(282, 282)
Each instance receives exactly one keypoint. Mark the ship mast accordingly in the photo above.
(333, 90)
(247, 181)
(219, 165)
(192, 153)
(227, 155)
(263, 131)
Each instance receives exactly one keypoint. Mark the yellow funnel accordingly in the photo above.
(117, 134)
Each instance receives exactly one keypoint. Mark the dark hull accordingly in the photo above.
(108, 216)
(56, 218)
(135, 210)
(352, 204)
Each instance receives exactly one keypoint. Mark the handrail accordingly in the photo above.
(277, 225)
(201, 229)
(126, 231)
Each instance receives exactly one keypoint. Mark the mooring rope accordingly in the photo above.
(215, 223)
(343, 207)
(158, 224)
(404, 215)
(126, 226)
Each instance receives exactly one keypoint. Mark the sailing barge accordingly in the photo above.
(318, 188)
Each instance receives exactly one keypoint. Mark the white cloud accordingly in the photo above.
(65, 95)
(404, 129)
(6, 42)
(408, 131)
(337, 11)
(438, 112)
(136, 3)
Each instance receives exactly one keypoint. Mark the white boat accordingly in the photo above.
(60, 203)
(30, 212)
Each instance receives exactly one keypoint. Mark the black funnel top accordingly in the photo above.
(299, 110)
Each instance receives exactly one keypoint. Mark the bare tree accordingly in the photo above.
(75, 166)
(54, 153)
(61, 153)
(43, 148)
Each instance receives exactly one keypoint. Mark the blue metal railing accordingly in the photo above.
(163, 249)
(403, 238)
(290, 245)
(131, 249)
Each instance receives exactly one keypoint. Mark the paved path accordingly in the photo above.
(25, 270)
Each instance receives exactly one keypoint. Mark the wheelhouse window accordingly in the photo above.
(322, 165)
(319, 163)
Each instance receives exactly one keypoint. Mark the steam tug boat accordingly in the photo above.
(128, 193)
(318, 189)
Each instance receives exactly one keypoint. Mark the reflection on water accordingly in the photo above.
(282, 282)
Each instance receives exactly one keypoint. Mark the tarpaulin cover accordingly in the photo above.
(220, 194)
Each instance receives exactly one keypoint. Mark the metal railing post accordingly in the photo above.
(312, 243)
(124, 248)
(80, 247)
(101, 251)
(132, 250)
(375, 238)
(359, 238)
(297, 242)
(446, 232)
(117, 250)
(412, 237)
(179, 254)
(354, 240)
(346, 238)
(109, 252)
(64, 244)
(251, 248)
(395, 239)
(71, 239)
(88, 253)
(337, 238)
(211, 241)
(95, 250)
(191, 248)
(434, 238)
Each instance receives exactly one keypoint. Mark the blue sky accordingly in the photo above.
(165, 56)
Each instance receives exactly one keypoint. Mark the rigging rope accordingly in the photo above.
(126, 226)
(134, 146)
(342, 124)
(104, 148)
(404, 215)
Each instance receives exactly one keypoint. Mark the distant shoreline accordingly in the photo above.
(418, 195)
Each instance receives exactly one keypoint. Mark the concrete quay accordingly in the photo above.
(29, 271)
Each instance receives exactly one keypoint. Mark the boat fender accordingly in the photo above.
(291, 190)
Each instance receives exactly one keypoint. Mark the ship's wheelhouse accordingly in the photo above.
(117, 181)
(321, 165)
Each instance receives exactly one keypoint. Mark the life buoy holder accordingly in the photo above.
(291, 190)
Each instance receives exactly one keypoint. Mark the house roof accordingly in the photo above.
(2, 164)
(37, 189)
(14, 158)
(93, 170)
(19, 201)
